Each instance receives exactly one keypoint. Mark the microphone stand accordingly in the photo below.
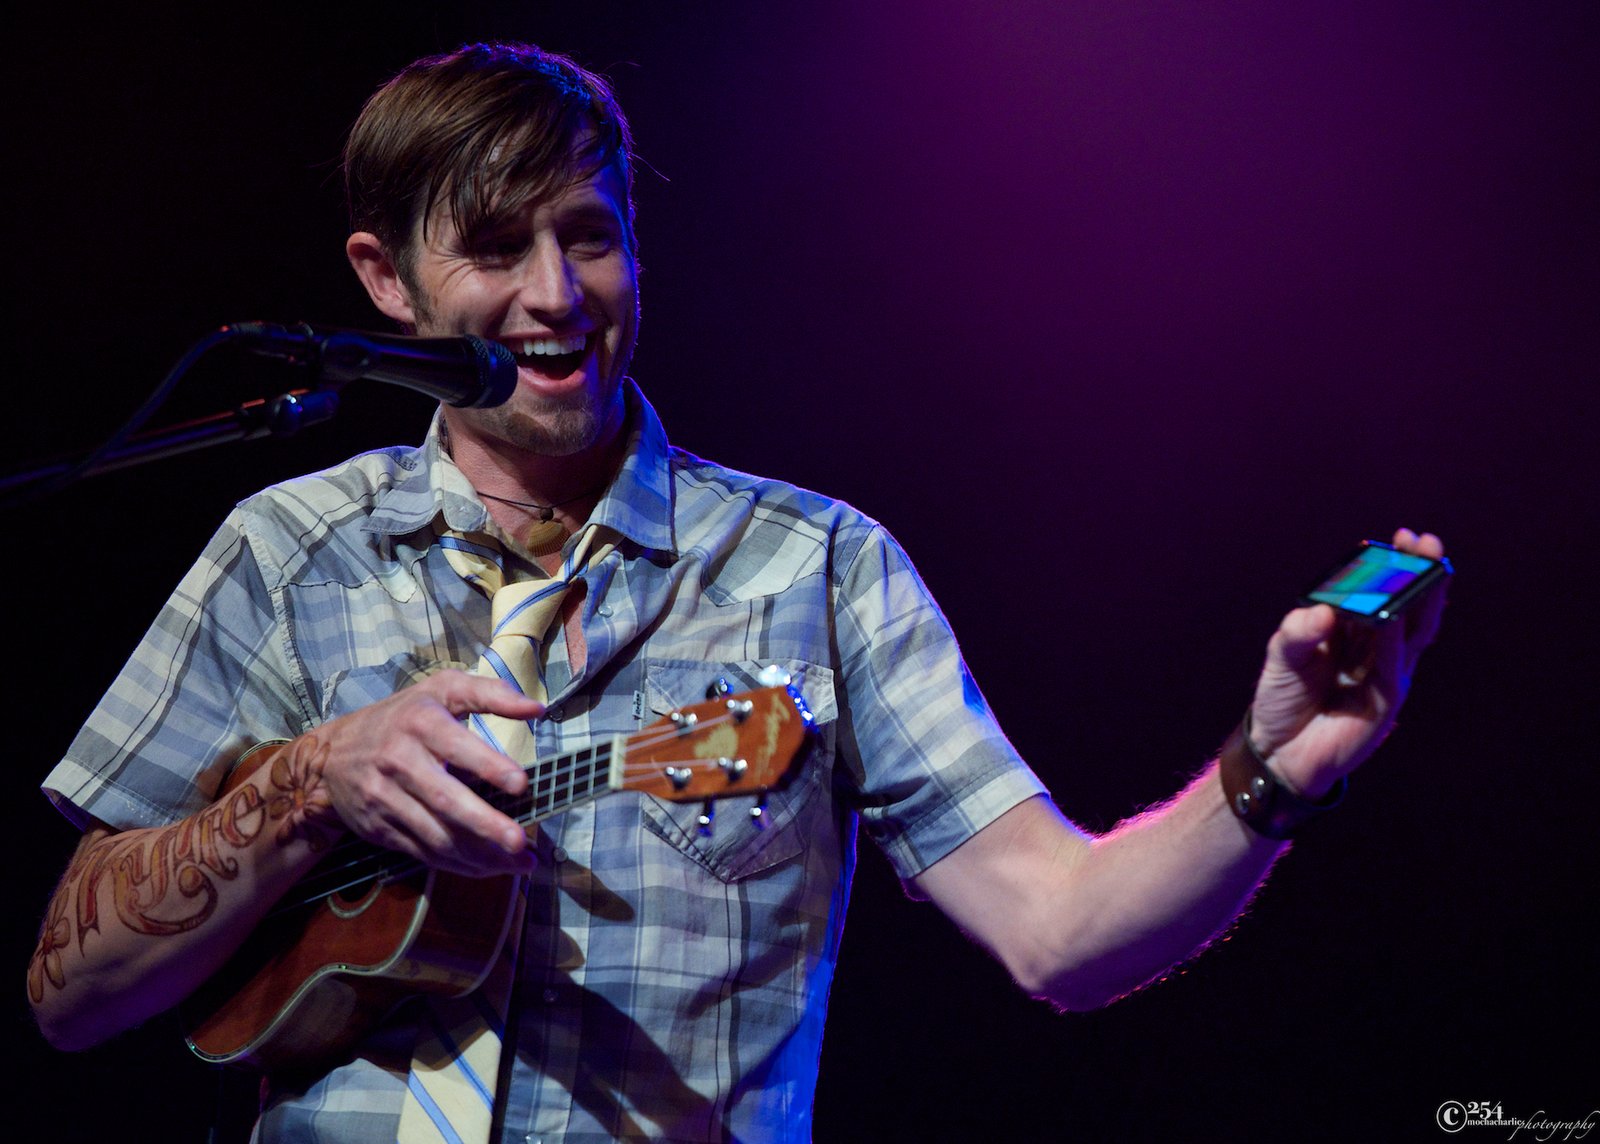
(280, 416)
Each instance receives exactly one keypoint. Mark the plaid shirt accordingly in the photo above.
(673, 986)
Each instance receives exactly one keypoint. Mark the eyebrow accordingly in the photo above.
(597, 208)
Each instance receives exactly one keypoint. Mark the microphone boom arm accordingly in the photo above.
(438, 367)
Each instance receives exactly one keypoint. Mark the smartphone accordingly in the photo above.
(1377, 581)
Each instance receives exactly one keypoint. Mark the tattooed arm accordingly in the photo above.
(142, 917)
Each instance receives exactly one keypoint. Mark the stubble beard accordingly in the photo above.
(536, 423)
(550, 428)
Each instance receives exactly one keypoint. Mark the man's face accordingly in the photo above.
(557, 285)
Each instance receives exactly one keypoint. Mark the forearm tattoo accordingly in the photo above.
(166, 882)
(301, 800)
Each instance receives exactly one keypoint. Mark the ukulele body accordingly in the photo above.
(308, 983)
(312, 979)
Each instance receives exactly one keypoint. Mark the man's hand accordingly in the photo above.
(1083, 919)
(143, 916)
(1331, 688)
(388, 771)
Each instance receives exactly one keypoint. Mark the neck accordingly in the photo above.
(570, 485)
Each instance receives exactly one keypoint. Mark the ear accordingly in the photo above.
(378, 274)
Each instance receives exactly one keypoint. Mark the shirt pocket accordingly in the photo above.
(739, 844)
(350, 689)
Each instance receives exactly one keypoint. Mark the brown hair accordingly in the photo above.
(488, 129)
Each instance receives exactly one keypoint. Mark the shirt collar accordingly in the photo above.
(638, 504)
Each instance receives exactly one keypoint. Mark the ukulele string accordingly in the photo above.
(359, 861)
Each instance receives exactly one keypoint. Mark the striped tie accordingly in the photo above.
(450, 1093)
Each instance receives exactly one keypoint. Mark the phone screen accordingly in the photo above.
(1377, 581)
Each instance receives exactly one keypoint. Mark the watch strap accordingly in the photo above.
(1258, 797)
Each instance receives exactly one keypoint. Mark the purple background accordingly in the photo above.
(1146, 310)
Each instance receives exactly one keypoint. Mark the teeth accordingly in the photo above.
(550, 347)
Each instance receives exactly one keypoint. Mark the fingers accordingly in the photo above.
(1422, 617)
(1300, 633)
(463, 694)
(396, 771)
(1296, 668)
(1331, 685)
(1324, 652)
(402, 798)
(455, 829)
(1419, 544)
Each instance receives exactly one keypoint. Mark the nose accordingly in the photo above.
(549, 288)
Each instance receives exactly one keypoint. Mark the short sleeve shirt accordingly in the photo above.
(673, 981)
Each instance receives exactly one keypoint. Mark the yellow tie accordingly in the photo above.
(450, 1094)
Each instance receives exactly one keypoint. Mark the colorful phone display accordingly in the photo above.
(1377, 581)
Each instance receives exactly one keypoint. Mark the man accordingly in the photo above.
(668, 984)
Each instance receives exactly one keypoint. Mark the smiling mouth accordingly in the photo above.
(549, 356)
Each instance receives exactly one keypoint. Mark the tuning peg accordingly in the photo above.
(704, 820)
(758, 812)
(719, 687)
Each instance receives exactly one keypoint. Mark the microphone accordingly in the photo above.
(465, 371)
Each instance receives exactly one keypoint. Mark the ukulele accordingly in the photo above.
(369, 927)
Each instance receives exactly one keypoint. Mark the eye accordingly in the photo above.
(592, 241)
(498, 248)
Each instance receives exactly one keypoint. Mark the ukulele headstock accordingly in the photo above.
(728, 745)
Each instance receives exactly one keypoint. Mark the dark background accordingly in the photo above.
(1146, 310)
